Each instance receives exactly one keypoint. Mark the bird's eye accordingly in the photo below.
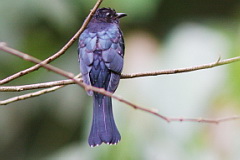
(108, 14)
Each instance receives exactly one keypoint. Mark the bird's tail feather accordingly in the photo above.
(103, 128)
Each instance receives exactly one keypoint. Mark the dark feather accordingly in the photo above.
(101, 50)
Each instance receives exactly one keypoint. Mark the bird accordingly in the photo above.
(100, 53)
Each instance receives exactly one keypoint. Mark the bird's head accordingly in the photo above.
(107, 15)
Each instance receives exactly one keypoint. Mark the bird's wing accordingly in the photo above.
(87, 44)
(110, 43)
(113, 56)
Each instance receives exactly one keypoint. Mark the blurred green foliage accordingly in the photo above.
(56, 125)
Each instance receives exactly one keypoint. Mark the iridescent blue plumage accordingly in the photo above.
(101, 50)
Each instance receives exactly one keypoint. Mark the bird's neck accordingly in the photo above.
(99, 26)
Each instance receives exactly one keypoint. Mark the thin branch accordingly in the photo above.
(35, 86)
(59, 53)
(123, 76)
(29, 95)
(54, 86)
(183, 70)
(205, 120)
(102, 91)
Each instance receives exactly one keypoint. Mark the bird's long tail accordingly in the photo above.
(103, 128)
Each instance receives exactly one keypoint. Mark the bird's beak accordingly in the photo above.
(120, 15)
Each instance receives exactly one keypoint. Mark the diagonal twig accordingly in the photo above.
(59, 53)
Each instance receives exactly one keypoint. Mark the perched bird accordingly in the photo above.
(100, 51)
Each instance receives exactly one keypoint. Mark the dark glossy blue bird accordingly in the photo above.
(101, 50)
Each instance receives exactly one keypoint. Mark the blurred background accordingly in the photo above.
(159, 34)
